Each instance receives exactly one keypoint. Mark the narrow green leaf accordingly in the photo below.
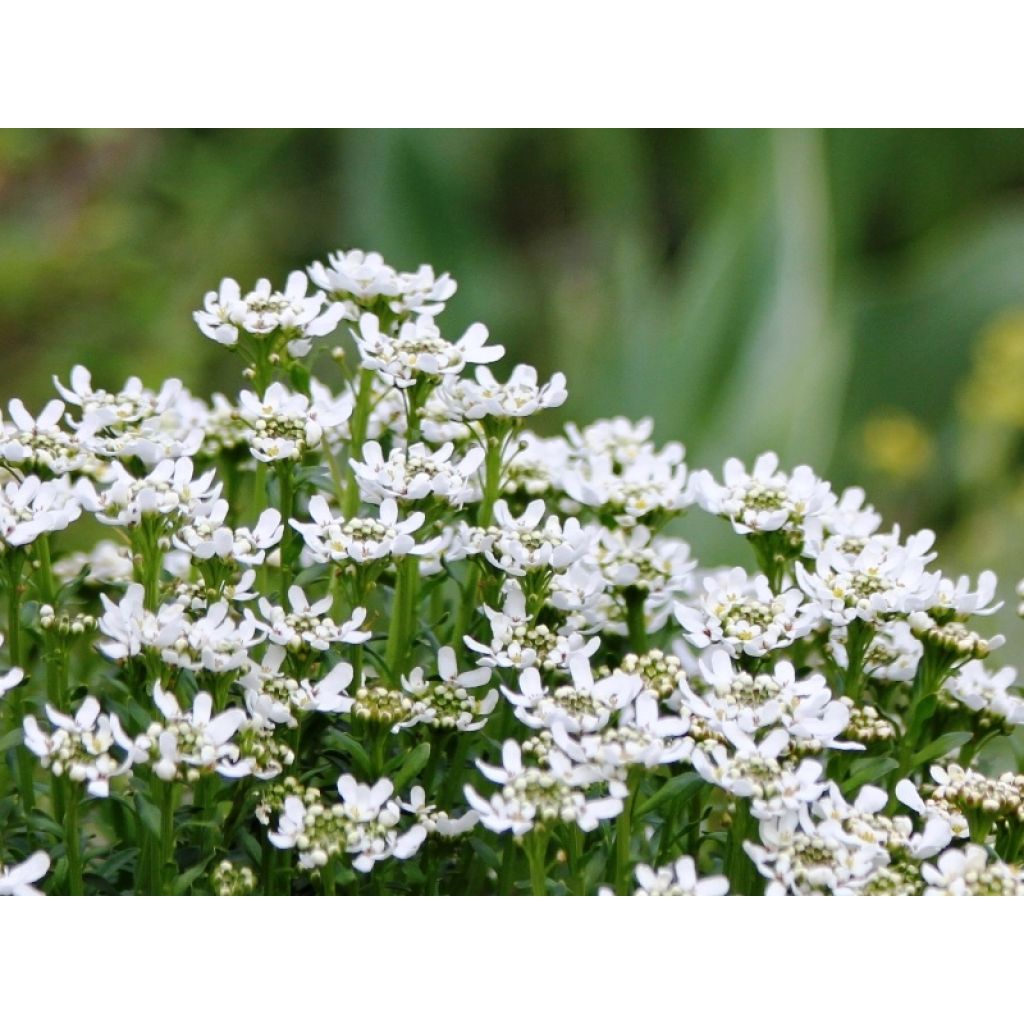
(351, 746)
(412, 764)
(149, 815)
(678, 787)
(943, 745)
(870, 770)
(183, 882)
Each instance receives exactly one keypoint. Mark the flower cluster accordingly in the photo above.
(498, 648)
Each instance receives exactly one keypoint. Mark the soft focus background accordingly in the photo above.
(851, 298)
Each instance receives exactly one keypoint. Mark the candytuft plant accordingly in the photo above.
(359, 630)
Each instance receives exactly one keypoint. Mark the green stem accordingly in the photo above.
(492, 480)
(287, 497)
(26, 765)
(167, 867)
(147, 549)
(623, 837)
(357, 425)
(536, 848)
(636, 620)
(740, 868)
(327, 879)
(508, 859)
(73, 841)
(401, 633)
(858, 638)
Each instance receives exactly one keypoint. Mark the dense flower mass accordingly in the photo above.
(370, 633)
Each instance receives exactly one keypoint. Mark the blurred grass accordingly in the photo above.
(822, 293)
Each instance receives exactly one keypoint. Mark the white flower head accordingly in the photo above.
(418, 473)
(330, 538)
(765, 499)
(297, 316)
(520, 396)
(419, 351)
(448, 701)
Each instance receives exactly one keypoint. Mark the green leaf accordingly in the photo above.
(925, 709)
(943, 745)
(351, 746)
(870, 770)
(149, 815)
(411, 765)
(12, 739)
(679, 787)
(251, 845)
(185, 880)
(485, 853)
(594, 870)
(41, 822)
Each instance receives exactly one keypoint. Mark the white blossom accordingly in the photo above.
(419, 351)
(17, 880)
(418, 473)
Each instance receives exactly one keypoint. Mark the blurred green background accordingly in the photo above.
(851, 298)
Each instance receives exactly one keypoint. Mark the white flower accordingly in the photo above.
(519, 397)
(420, 351)
(533, 796)
(873, 584)
(988, 692)
(191, 742)
(356, 275)
(743, 616)
(132, 628)
(115, 409)
(647, 484)
(678, 879)
(621, 440)
(79, 747)
(958, 598)
(361, 279)
(849, 520)
(331, 538)
(284, 424)
(39, 441)
(308, 625)
(751, 702)
(263, 311)
(364, 824)
(865, 820)
(33, 507)
(754, 770)
(968, 872)
(643, 737)
(636, 558)
(168, 490)
(446, 703)
(518, 545)
(765, 499)
(580, 706)
(17, 880)
(801, 857)
(518, 642)
(206, 536)
(214, 642)
(418, 473)
(933, 810)
(436, 821)
(273, 695)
